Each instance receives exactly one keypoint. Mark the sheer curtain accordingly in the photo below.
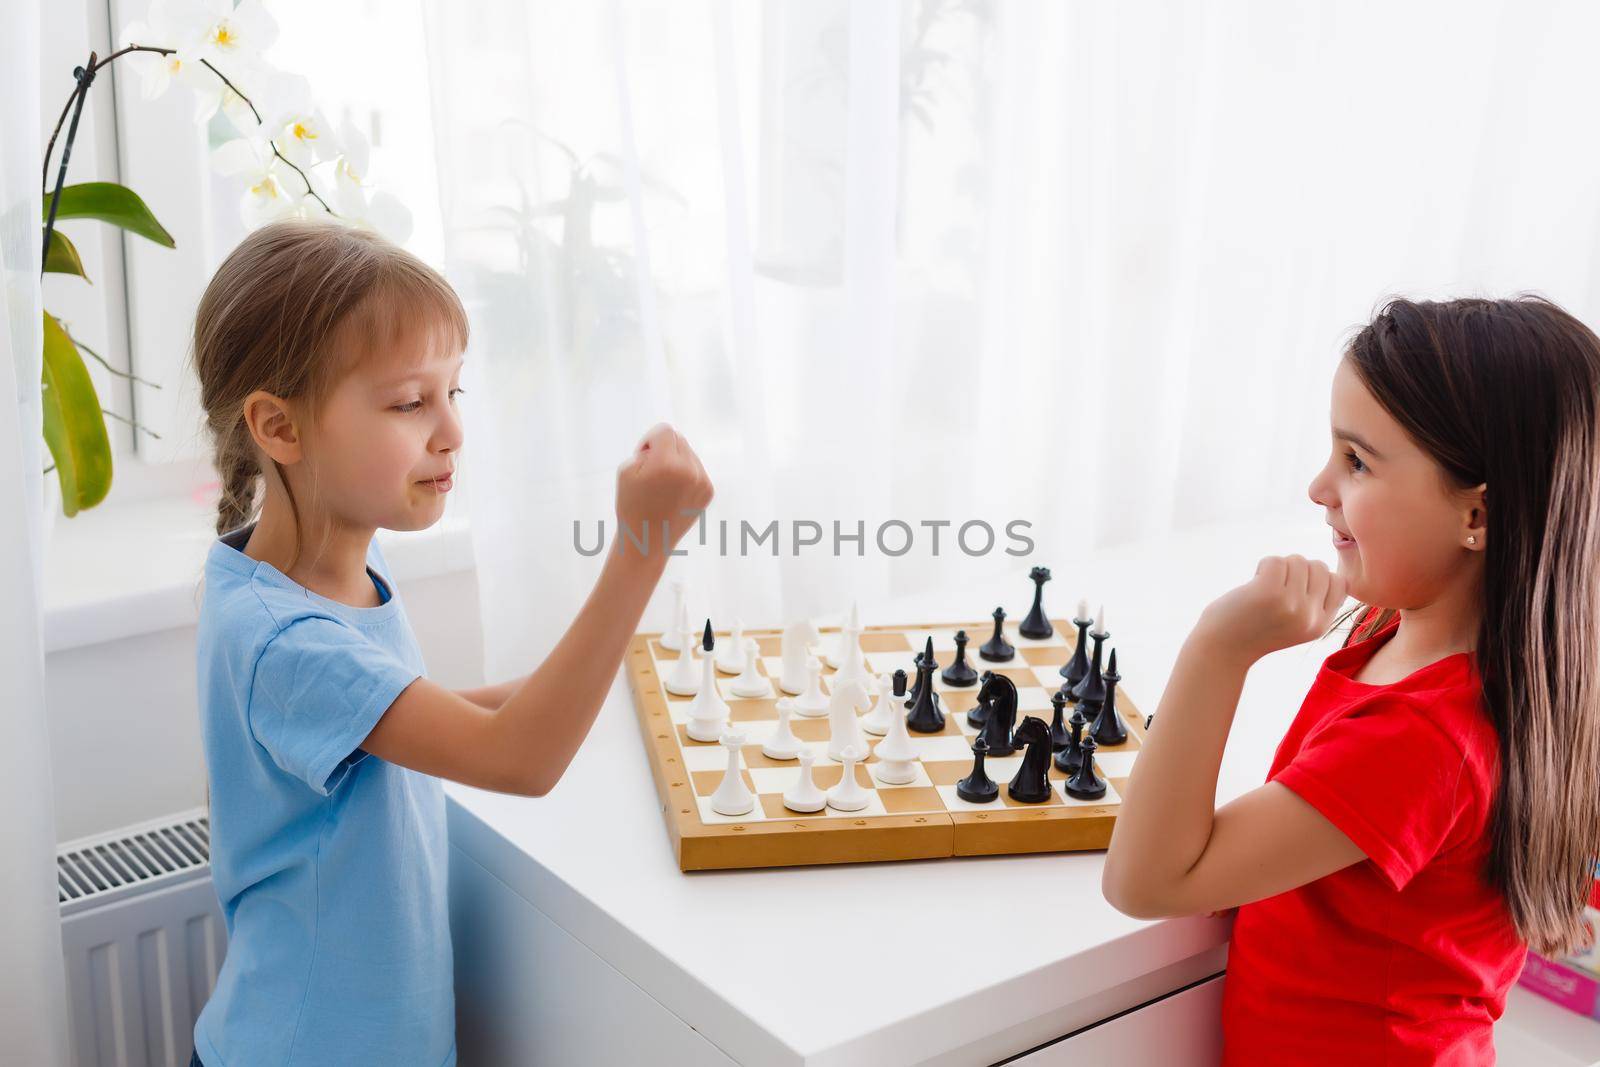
(32, 993)
(1087, 266)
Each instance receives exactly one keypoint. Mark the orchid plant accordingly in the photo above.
(291, 161)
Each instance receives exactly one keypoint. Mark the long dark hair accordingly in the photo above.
(1506, 394)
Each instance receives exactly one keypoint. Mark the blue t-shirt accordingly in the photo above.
(330, 863)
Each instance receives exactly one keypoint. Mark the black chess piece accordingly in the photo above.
(1091, 688)
(925, 716)
(1000, 693)
(1036, 626)
(933, 665)
(708, 641)
(997, 649)
(1075, 668)
(1058, 726)
(960, 673)
(1085, 784)
(899, 682)
(1069, 758)
(1108, 727)
(978, 787)
(979, 714)
(1148, 719)
(1032, 782)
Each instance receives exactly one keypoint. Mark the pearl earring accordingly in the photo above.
(1471, 540)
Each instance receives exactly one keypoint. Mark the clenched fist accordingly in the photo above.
(656, 486)
(1291, 600)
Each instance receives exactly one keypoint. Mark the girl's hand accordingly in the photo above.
(663, 485)
(1291, 600)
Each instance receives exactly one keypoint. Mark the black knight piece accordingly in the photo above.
(1036, 626)
(1075, 668)
(1070, 758)
(1108, 727)
(1000, 693)
(1085, 784)
(1032, 782)
(925, 716)
(1058, 726)
(978, 787)
(997, 649)
(979, 714)
(960, 673)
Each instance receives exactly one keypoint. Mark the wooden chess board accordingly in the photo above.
(921, 820)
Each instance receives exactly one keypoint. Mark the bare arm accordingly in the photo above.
(1172, 852)
(491, 696)
(525, 744)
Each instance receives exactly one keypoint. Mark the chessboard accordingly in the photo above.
(920, 820)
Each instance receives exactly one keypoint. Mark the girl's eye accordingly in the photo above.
(1355, 461)
(416, 404)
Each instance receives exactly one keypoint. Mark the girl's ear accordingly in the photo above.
(272, 425)
(1475, 529)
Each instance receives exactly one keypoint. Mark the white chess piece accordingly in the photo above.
(671, 640)
(849, 795)
(852, 665)
(876, 721)
(782, 743)
(896, 756)
(684, 679)
(837, 650)
(798, 637)
(813, 703)
(730, 657)
(708, 713)
(751, 683)
(804, 794)
(733, 797)
(844, 729)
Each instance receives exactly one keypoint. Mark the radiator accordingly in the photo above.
(143, 939)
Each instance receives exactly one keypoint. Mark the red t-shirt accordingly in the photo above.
(1406, 957)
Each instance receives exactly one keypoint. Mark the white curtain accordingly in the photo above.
(32, 994)
(1084, 265)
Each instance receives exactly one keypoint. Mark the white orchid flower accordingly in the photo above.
(230, 37)
(272, 191)
(163, 29)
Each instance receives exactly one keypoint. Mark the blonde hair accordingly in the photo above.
(289, 311)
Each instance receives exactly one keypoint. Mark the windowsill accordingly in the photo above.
(133, 567)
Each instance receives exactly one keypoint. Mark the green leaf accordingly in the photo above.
(62, 257)
(113, 203)
(74, 427)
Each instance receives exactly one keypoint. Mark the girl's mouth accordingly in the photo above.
(1341, 541)
(441, 484)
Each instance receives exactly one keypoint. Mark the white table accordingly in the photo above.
(579, 940)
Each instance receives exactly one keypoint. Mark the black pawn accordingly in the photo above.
(925, 716)
(997, 649)
(1075, 668)
(1058, 726)
(899, 684)
(1085, 784)
(1070, 758)
(1036, 626)
(978, 787)
(960, 673)
(1108, 727)
(1092, 688)
(979, 714)
(708, 642)
(933, 665)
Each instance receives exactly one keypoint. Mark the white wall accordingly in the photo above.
(124, 720)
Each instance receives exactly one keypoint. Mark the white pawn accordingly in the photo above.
(751, 683)
(813, 703)
(782, 743)
(680, 617)
(684, 681)
(708, 713)
(848, 795)
(730, 657)
(896, 756)
(733, 797)
(798, 637)
(844, 728)
(804, 794)
(876, 721)
(838, 649)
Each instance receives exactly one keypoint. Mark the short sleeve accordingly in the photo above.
(1390, 778)
(319, 688)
